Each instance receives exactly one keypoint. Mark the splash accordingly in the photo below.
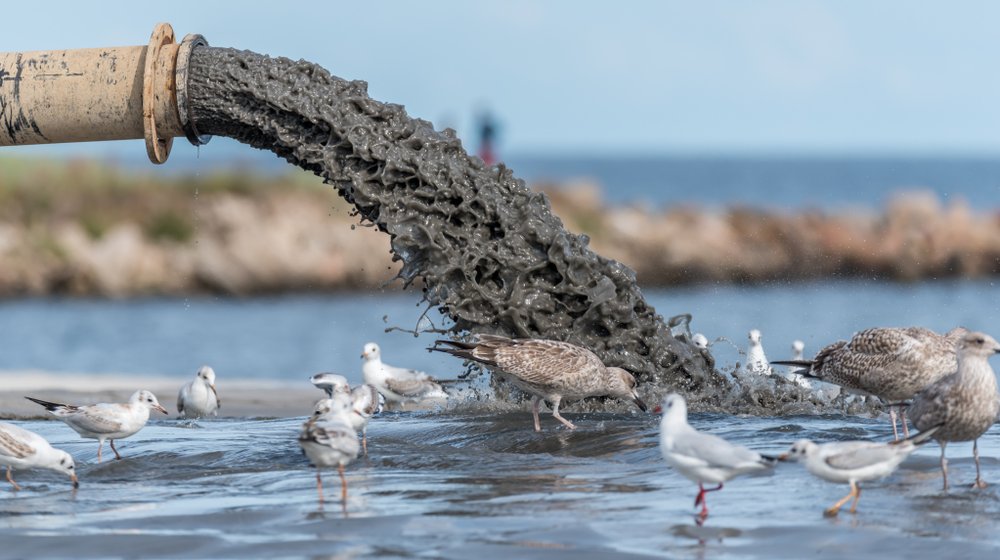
(488, 251)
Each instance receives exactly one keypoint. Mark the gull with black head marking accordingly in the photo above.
(965, 403)
(547, 369)
(700, 457)
(199, 398)
(106, 421)
(24, 449)
(854, 461)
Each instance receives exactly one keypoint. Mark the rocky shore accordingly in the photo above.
(84, 229)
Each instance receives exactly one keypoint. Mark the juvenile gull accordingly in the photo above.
(366, 401)
(854, 461)
(756, 360)
(397, 384)
(106, 421)
(700, 457)
(893, 364)
(198, 398)
(547, 369)
(965, 403)
(24, 449)
(329, 440)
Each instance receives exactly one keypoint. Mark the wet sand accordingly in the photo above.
(240, 399)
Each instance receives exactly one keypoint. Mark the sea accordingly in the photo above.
(473, 480)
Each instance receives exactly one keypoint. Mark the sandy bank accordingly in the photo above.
(240, 399)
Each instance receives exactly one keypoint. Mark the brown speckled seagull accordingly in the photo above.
(893, 364)
(547, 369)
(965, 402)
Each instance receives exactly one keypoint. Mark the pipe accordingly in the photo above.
(85, 95)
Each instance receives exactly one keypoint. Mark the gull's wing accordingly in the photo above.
(411, 387)
(16, 442)
(99, 418)
(335, 435)
(182, 396)
(714, 451)
(859, 454)
(537, 361)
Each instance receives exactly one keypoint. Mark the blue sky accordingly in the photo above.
(705, 77)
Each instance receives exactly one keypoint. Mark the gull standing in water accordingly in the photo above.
(106, 421)
(547, 369)
(854, 461)
(397, 384)
(757, 363)
(893, 364)
(700, 457)
(366, 401)
(793, 375)
(329, 440)
(965, 403)
(198, 398)
(24, 449)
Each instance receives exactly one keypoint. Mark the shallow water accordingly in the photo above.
(464, 483)
(293, 337)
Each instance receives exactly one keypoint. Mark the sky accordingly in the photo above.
(616, 78)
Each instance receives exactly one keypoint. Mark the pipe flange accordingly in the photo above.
(188, 44)
(157, 148)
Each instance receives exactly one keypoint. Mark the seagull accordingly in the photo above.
(854, 461)
(105, 420)
(547, 369)
(328, 439)
(24, 449)
(366, 401)
(397, 384)
(893, 364)
(965, 402)
(199, 398)
(793, 374)
(700, 457)
(699, 340)
(756, 360)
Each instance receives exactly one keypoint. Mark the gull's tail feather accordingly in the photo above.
(769, 460)
(50, 406)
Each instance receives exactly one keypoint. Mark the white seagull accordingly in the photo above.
(106, 421)
(700, 457)
(756, 360)
(854, 461)
(24, 449)
(329, 440)
(198, 398)
(395, 383)
(366, 401)
(792, 372)
(699, 340)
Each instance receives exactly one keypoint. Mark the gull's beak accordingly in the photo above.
(658, 410)
(76, 483)
(218, 401)
(638, 402)
(783, 457)
(160, 408)
(364, 354)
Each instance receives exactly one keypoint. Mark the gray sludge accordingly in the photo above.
(489, 252)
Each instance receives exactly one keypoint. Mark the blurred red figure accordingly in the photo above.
(487, 137)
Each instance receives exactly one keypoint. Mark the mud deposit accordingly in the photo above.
(489, 252)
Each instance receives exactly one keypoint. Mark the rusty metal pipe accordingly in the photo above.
(85, 95)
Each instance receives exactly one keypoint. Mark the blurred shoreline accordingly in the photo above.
(86, 229)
